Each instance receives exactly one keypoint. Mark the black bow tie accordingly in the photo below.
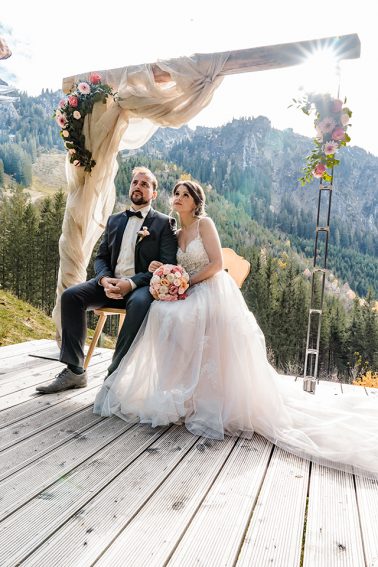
(134, 214)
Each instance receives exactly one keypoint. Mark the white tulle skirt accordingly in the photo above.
(202, 362)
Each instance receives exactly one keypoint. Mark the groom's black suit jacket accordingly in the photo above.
(160, 244)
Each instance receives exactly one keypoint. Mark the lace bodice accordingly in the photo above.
(194, 258)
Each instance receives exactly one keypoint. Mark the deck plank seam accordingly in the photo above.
(258, 492)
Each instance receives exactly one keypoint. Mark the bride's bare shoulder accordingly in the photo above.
(206, 224)
(205, 221)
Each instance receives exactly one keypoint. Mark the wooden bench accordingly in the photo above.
(237, 266)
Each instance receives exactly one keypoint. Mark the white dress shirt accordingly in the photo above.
(125, 266)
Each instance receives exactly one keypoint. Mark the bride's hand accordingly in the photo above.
(154, 266)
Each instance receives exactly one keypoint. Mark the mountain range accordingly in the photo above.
(253, 166)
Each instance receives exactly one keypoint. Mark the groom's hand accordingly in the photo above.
(115, 288)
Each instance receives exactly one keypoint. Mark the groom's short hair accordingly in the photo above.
(146, 171)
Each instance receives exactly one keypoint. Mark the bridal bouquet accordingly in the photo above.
(169, 283)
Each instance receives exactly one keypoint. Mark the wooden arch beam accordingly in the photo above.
(267, 58)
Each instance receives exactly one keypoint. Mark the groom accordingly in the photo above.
(131, 241)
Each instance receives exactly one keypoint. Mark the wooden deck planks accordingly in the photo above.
(275, 532)
(31, 449)
(367, 500)
(37, 477)
(84, 490)
(71, 503)
(151, 537)
(17, 407)
(27, 347)
(215, 534)
(136, 466)
(33, 424)
(333, 533)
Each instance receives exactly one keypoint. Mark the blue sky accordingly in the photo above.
(72, 38)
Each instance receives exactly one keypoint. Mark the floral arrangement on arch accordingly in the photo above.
(331, 124)
(70, 116)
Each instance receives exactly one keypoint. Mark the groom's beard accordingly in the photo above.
(138, 199)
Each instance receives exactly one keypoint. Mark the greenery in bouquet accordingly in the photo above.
(331, 124)
(71, 113)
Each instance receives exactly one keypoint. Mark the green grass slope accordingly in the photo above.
(20, 321)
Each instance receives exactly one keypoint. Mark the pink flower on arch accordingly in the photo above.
(338, 134)
(327, 125)
(330, 147)
(61, 120)
(73, 101)
(62, 102)
(76, 114)
(319, 170)
(84, 88)
(95, 78)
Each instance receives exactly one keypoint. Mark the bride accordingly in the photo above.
(202, 362)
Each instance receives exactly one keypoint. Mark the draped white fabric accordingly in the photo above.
(143, 106)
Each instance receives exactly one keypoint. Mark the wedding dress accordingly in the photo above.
(202, 362)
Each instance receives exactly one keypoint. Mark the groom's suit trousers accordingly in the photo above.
(75, 303)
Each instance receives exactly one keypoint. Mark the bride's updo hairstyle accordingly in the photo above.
(197, 193)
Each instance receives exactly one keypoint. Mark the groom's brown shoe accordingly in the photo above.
(65, 380)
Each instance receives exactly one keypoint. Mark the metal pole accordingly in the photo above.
(311, 366)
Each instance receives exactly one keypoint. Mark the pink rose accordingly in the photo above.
(337, 105)
(84, 88)
(65, 133)
(76, 115)
(338, 134)
(95, 78)
(319, 170)
(73, 101)
(62, 102)
(76, 163)
(326, 125)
